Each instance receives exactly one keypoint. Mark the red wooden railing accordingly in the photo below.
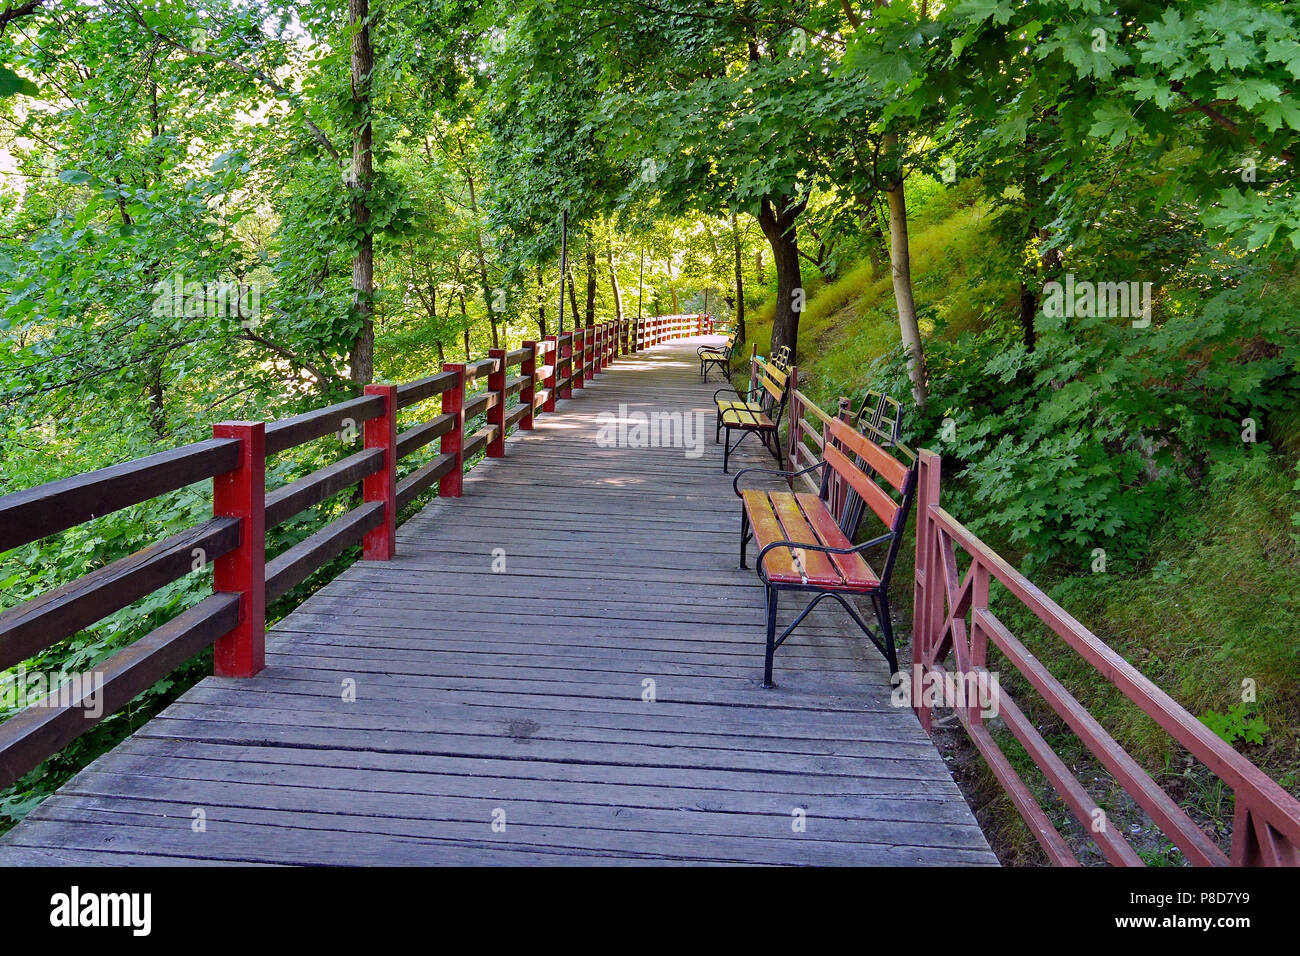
(233, 617)
(953, 622)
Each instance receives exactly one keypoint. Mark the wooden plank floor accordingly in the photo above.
(517, 696)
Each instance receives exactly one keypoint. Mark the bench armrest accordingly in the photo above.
(747, 393)
(735, 482)
(824, 549)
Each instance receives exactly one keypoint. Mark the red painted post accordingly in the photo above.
(552, 358)
(927, 585)
(241, 494)
(565, 362)
(597, 350)
(580, 351)
(453, 443)
(527, 396)
(380, 543)
(611, 337)
(496, 415)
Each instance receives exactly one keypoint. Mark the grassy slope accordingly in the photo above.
(1217, 602)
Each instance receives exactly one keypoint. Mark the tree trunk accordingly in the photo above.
(877, 253)
(740, 281)
(901, 267)
(482, 259)
(541, 304)
(361, 180)
(613, 281)
(464, 321)
(157, 405)
(573, 298)
(591, 283)
(777, 216)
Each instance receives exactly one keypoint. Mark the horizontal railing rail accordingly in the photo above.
(953, 622)
(516, 386)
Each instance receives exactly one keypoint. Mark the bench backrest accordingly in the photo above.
(880, 418)
(773, 385)
(870, 476)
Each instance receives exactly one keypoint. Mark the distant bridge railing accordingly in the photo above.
(233, 617)
(952, 620)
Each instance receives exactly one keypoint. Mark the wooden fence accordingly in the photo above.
(953, 622)
(233, 618)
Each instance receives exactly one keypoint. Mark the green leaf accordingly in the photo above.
(11, 84)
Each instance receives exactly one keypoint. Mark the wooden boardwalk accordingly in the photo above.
(517, 697)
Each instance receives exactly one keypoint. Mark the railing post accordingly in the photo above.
(241, 494)
(926, 576)
(453, 443)
(566, 368)
(528, 394)
(496, 415)
(597, 349)
(552, 377)
(580, 358)
(380, 543)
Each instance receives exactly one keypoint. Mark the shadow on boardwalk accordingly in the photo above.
(516, 697)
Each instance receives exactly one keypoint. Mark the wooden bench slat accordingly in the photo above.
(852, 567)
(745, 418)
(884, 506)
(889, 467)
(818, 567)
(767, 529)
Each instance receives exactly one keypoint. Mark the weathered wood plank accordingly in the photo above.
(407, 701)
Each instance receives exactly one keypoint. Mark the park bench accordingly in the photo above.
(711, 355)
(805, 540)
(880, 418)
(756, 410)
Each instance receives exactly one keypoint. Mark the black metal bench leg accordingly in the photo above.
(886, 631)
(744, 535)
(771, 636)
